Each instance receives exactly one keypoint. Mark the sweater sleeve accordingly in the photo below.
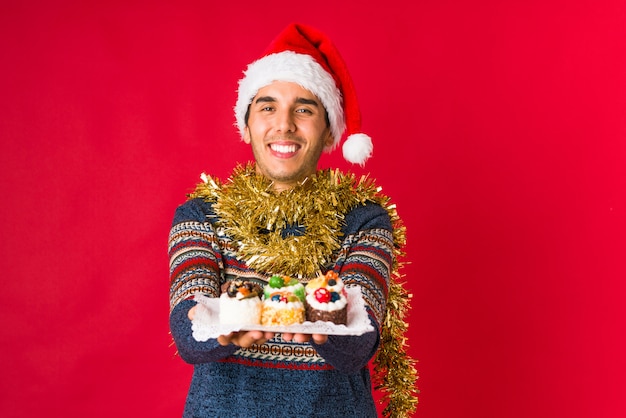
(189, 349)
(195, 266)
(348, 353)
(365, 260)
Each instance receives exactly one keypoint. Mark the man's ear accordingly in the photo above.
(328, 142)
(246, 135)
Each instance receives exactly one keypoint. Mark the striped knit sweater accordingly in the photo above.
(278, 378)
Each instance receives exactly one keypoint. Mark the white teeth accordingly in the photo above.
(285, 149)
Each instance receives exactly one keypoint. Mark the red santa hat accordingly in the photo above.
(305, 56)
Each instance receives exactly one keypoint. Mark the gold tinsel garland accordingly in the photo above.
(255, 216)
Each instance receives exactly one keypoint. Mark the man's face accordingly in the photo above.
(287, 130)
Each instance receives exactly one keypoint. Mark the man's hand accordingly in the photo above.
(191, 313)
(245, 339)
(303, 338)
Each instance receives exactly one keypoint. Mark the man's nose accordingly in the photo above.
(285, 121)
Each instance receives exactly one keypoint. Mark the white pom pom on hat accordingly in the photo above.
(304, 55)
(357, 148)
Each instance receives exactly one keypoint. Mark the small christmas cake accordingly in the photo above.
(283, 302)
(240, 303)
(326, 299)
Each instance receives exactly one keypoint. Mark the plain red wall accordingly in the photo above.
(499, 131)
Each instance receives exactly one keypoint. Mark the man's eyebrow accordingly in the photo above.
(265, 99)
(302, 100)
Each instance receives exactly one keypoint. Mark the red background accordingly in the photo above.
(499, 131)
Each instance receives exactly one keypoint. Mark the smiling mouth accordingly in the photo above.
(284, 149)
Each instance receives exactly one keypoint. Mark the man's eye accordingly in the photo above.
(303, 111)
(266, 109)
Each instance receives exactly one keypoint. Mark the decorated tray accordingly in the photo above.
(206, 323)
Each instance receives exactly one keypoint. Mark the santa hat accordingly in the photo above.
(305, 56)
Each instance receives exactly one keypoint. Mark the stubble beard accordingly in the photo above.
(307, 168)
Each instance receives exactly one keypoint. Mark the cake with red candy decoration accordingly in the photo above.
(283, 301)
(240, 303)
(326, 299)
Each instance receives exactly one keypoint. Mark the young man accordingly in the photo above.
(293, 104)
